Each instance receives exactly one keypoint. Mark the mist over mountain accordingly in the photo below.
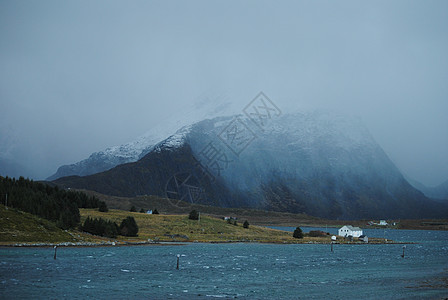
(209, 106)
(107, 159)
(437, 192)
(11, 168)
(319, 163)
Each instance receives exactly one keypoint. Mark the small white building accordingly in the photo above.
(348, 230)
(383, 223)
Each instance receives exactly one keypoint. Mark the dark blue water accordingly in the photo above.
(246, 271)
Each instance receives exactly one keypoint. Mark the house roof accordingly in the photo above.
(352, 228)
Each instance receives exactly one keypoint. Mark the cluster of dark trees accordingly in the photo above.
(48, 202)
(101, 227)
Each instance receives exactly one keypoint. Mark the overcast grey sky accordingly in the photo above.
(79, 76)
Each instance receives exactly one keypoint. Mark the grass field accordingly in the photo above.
(256, 216)
(17, 226)
(180, 228)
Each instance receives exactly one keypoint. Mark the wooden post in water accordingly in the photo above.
(55, 249)
(177, 268)
(404, 247)
(331, 246)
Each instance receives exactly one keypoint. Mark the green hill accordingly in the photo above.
(20, 227)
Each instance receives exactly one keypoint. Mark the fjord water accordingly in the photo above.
(245, 271)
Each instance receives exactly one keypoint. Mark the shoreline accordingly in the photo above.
(352, 222)
(184, 243)
(161, 230)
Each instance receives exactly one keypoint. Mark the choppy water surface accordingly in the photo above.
(246, 271)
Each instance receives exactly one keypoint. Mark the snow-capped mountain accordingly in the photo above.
(209, 106)
(319, 163)
(109, 158)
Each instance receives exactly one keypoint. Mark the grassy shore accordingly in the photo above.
(19, 228)
(178, 228)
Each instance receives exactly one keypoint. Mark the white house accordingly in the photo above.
(347, 230)
(383, 223)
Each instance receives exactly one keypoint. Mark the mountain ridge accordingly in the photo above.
(439, 192)
(320, 164)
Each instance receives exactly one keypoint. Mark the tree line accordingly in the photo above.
(48, 202)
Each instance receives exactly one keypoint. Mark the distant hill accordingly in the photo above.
(316, 163)
(101, 161)
(12, 168)
(436, 192)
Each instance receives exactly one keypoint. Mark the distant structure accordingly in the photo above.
(381, 223)
(348, 230)
(149, 212)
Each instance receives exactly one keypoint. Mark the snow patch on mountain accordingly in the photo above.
(176, 140)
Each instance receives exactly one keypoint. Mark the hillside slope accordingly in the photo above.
(435, 192)
(17, 226)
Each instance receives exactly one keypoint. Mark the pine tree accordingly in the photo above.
(194, 215)
(246, 224)
(298, 234)
(128, 227)
(103, 207)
